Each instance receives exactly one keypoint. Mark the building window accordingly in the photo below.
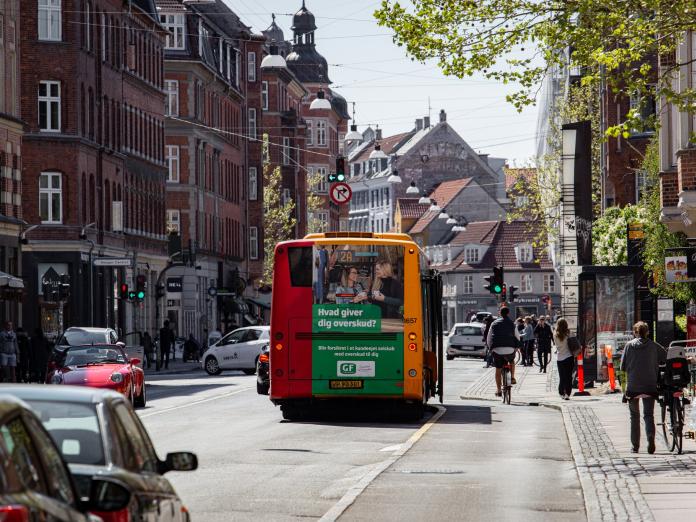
(521, 201)
(50, 197)
(264, 96)
(252, 123)
(287, 154)
(253, 183)
(286, 196)
(525, 283)
(172, 160)
(310, 132)
(50, 20)
(549, 283)
(471, 255)
(468, 287)
(171, 107)
(641, 183)
(176, 27)
(49, 106)
(173, 221)
(251, 67)
(644, 107)
(253, 243)
(321, 133)
(524, 253)
(320, 184)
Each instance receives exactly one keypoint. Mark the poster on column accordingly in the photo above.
(357, 319)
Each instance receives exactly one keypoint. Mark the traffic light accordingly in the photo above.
(495, 281)
(340, 174)
(511, 293)
(124, 291)
(503, 294)
(140, 285)
(159, 291)
(131, 295)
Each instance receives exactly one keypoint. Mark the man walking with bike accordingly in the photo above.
(641, 361)
(503, 339)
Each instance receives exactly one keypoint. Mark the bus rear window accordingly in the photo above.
(300, 266)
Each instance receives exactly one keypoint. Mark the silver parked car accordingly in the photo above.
(465, 339)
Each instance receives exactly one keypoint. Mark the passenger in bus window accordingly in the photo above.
(350, 290)
(387, 291)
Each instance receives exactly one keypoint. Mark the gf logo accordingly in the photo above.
(348, 368)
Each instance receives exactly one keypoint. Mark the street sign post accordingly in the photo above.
(340, 193)
(113, 261)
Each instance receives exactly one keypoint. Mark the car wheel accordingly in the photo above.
(249, 371)
(212, 367)
(261, 389)
(140, 400)
(450, 357)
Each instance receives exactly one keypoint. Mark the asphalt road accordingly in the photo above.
(478, 461)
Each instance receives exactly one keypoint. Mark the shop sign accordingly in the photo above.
(175, 285)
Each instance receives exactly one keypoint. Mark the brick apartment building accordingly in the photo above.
(93, 166)
(326, 128)
(213, 109)
(11, 129)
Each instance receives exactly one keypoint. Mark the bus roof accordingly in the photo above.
(360, 235)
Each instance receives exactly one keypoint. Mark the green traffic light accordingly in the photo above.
(141, 295)
(341, 176)
(497, 289)
(131, 295)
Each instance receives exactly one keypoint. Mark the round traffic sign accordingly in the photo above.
(340, 193)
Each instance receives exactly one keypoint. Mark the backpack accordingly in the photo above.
(574, 346)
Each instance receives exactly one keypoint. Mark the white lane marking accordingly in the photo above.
(207, 399)
(391, 448)
(354, 492)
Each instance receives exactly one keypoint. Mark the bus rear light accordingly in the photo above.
(412, 336)
(279, 346)
(411, 251)
(412, 373)
(14, 513)
(263, 358)
(279, 372)
(412, 347)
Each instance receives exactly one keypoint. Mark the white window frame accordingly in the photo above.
(50, 192)
(49, 100)
(525, 253)
(322, 217)
(228, 58)
(286, 153)
(103, 37)
(321, 133)
(171, 107)
(641, 183)
(173, 221)
(468, 284)
(253, 183)
(549, 283)
(253, 243)
(175, 24)
(173, 163)
(286, 196)
(526, 284)
(252, 122)
(321, 173)
(471, 255)
(264, 95)
(251, 66)
(50, 20)
(310, 132)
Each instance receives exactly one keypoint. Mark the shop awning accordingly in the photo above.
(10, 281)
(259, 302)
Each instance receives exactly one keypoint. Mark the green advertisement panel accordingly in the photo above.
(357, 321)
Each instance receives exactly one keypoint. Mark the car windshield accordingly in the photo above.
(83, 355)
(75, 429)
(467, 330)
(76, 337)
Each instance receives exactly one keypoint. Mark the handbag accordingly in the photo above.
(574, 346)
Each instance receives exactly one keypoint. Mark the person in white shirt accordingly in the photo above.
(564, 359)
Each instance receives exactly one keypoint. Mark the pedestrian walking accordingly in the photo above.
(641, 361)
(39, 355)
(544, 337)
(148, 348)
(191, 349)
(9, 353)
(23, 360)
(487, 326)
(166, 339)
(528, 342)
(564, 359)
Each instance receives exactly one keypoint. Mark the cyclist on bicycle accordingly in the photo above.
(503, 340)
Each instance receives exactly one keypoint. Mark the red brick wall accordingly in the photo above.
(686, 167)
(669, 189)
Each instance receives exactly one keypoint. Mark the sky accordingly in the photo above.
(391, 90)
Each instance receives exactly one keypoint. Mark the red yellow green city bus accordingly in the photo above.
(354, 316)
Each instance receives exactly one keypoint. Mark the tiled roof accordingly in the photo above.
(443, 195)
(502, 251)
(388, 144)
(478, 232)
(170, 5)
(513, 174)
(410, 208)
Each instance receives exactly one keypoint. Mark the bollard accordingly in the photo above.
(610, 368)
(581, 377)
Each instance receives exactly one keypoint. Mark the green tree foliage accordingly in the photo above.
(278, 216)
(519, 41)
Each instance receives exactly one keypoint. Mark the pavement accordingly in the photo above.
(175, 367)
(616, 484)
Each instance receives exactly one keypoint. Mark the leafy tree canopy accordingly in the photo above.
(521, 41)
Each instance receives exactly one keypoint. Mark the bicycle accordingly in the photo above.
(519, 355)
(506, 378)
(673, 400)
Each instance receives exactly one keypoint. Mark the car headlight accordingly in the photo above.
(57, 378)
(117, 377)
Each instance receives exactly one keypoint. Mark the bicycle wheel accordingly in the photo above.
(518, 357)
(663, 416)
(677, 418)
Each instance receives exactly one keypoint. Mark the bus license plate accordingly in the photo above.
(345, 385)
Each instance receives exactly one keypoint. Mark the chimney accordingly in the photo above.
(419, 124)
(378, 134)
(443, 116)
(426, 122)
(484, 157)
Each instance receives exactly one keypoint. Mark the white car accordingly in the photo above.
(465, 339)
(238, 350)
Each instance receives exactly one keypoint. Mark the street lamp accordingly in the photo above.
(424, 199)
(394, 178)
(412, 189)
(434, 206)
(378, 153)
(461, 224)
(443, 215)
(273, 60)
(320, 102)
(83, 236)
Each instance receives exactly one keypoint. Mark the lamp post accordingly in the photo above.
(83, 236)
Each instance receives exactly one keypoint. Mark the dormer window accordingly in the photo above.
(524, 253)
(471, 255)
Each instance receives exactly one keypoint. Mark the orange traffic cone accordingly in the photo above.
(610, 368)
(581, 377)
